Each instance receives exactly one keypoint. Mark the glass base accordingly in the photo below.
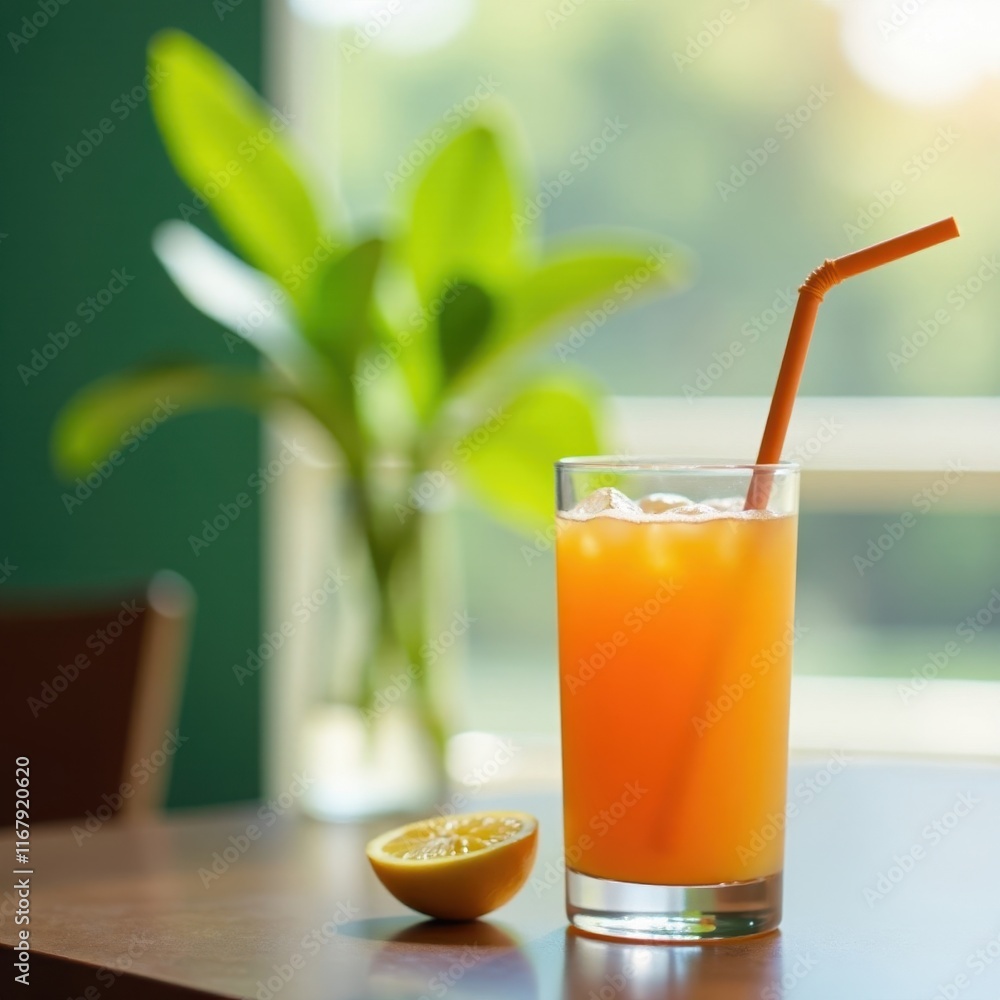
(637, 912)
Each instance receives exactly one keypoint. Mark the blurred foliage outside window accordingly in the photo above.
(766, 136)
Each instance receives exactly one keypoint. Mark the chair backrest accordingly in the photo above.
(90, 694)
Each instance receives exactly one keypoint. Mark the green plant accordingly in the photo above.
(340, 305)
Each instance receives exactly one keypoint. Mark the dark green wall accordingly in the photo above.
(63, 236)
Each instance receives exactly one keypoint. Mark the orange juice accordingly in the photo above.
(675, 636)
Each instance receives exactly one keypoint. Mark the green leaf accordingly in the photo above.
(508, 460)
(611, 269)
(463, 324)
(232, 293)
(101, 419)
(340, 316)
(412, 350)
(229, 148)
(251, 304)
(462, 216)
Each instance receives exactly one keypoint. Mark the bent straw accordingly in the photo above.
(811, 292)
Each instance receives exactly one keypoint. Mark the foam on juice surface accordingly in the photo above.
(659, 507)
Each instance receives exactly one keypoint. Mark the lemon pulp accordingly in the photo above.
(447, 837)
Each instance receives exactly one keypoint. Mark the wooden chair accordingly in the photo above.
(90, 694)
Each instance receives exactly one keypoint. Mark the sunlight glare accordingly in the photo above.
(924, 52)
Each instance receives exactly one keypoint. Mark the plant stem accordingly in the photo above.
(395, 553)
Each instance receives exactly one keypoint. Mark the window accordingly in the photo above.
(765, 137)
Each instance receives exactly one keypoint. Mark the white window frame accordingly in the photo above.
(874, 456)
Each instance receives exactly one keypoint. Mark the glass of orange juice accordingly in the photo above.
(675, 635)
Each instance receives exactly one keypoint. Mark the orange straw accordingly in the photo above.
(828, 274)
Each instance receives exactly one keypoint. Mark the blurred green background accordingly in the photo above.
(671, 117)
(64, 235)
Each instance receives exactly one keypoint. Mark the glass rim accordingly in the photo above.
(645, 463)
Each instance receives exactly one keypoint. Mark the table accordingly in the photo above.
(892, 893)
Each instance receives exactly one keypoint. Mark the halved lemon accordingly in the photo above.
(457, 867)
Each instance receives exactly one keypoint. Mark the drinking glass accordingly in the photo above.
(675, 645)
